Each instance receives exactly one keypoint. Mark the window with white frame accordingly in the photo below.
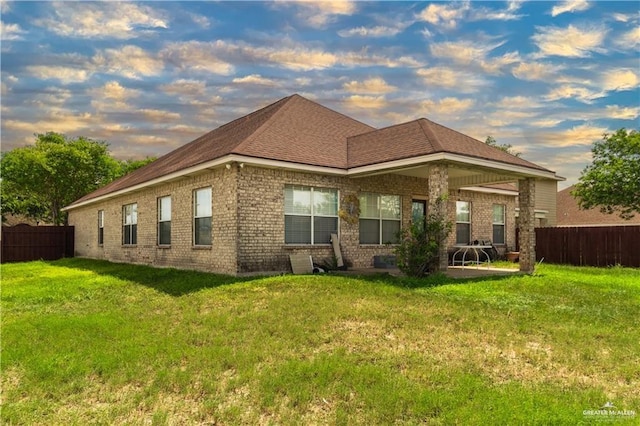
(463, 222)
(380, 218)
(202, 217)
(498, 224)
(100, 227)
(164, 221)
(310, 214)
(130, 224)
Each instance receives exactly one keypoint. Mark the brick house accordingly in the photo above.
(243, 197)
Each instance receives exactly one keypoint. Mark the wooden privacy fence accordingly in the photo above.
(23, 243)
(590, 245)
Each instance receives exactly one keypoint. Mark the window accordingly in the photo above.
(100, 227)
(310, 214)
(419, 213)
(463, 222)
(164, 221)
(498, 224)
(130, 224)
(202, 217)
(379, 218)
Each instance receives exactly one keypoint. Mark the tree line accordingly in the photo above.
(40, 179)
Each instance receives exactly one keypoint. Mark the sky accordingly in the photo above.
(549, 78)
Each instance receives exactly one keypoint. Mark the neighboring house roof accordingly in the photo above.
(570, 214)
(297, 131)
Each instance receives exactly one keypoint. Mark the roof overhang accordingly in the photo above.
(487, 171)
(514, 171)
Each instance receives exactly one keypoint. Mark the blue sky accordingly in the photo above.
(547, 77)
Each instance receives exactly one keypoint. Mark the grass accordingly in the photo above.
(95, 342)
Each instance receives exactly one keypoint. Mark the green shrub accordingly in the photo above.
(418, 249)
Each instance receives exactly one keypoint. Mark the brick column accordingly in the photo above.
(439, 190)
(527, 200)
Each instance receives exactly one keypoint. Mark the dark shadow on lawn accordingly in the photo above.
(178, 282)
(174, 282)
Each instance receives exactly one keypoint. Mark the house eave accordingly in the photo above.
(362, 171)
(210, 165)
(406, 163)
(513, 193)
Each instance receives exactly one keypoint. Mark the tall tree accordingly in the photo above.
(612, 180)
(506, 147)
(39, 180)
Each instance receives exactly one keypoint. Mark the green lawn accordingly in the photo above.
(94, 342)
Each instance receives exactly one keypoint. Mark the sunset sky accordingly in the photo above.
(548, 78)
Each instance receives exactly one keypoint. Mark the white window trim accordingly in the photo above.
(195, 215)
(160, 220)
(503, 223)
(134, 221)
(100, 227)
(312, 215)
(465, 222)
(380, 219)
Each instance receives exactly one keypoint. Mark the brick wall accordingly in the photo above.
(482, 216)
(248, 220)
(261, 216)
(220, 257)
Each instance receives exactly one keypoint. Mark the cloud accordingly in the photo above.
(620, 80)
(546, 122)
(445, 15)
(198, 56)
(507, 117)
(255, 79)
(487, 14)
(102, 20)
(581, 94)
(570, 6)
(584, 134)
(319, 14)
(517, 102)
(129, 61)
(535, 71)
(622, 113)
(365, 102)
(572, 42)
(159, 116)
(364, 58)
(474, 53)
(374, 32)
(184, 88)
(112, 97)
(621, 17)
(374, 86)
(9, 32)
(629, 40)
(446, 106)
(56, 121)
(64, 74)
(462, 81)
(200, 20)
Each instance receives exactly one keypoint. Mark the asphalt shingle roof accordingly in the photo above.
(297, 130)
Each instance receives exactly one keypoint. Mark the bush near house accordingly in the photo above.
(89, 342)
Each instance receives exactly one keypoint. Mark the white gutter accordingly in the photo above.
(370, 170)
(219, 162)
(490, 190)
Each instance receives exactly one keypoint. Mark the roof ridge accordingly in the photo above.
(425, 126)
(286, 101)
